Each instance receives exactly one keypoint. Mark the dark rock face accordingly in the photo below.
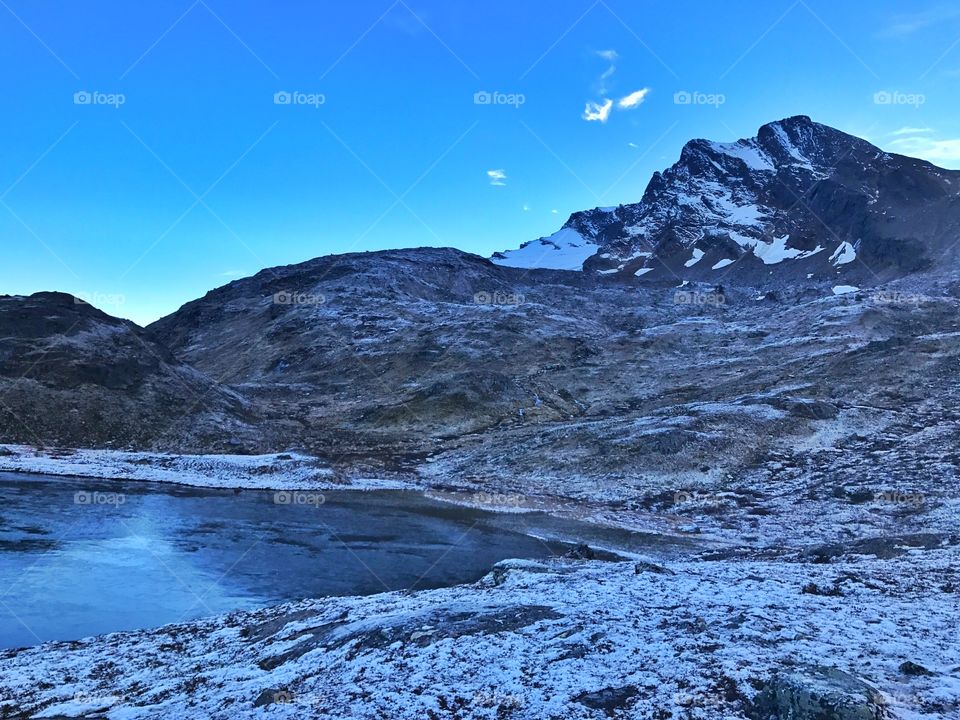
(800, 198)
(71, 375)
(611, 701)
(819, 693)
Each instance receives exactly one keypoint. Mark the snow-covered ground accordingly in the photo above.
(278, 471)
(556, 639)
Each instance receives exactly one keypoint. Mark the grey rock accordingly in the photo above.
(819, 693)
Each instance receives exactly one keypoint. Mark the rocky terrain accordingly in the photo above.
(758, 357)
(72, 376)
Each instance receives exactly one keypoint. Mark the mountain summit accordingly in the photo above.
(800, 199)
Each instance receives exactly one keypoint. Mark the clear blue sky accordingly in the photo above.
(199, 177)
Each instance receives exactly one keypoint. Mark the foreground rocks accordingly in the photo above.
(560, 639)
(820, 693)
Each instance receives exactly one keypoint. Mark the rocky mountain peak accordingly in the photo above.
(799, 200)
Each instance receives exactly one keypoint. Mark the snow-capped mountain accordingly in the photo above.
(799, 197)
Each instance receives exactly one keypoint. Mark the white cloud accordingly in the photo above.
(231, 273)
(554, 211)
(633, 100)
(633, 145)
(597, 112)
(905, 25)
(497, 177)
(939, 151)
(912, 131)
(526, 208)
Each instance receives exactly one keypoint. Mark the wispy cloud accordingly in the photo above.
(611, 57)
(921, 143)
(497, 177)
(633, 100)
(907, 24)
(912, 131)
(597, 112)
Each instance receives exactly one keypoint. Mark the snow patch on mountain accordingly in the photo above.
(697, 257)
(566, 249)
(747, 151)
(844, 254)
(777, 251)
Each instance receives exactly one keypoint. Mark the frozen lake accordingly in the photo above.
(86, 557)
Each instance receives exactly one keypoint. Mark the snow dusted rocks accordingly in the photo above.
(276, 471)
(798, 198)
(555, 640)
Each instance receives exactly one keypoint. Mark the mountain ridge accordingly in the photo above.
(790, 201)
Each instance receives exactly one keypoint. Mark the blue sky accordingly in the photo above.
(178, 170)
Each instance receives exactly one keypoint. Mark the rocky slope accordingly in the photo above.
(799, 199)
(442, 364)
(71, 375)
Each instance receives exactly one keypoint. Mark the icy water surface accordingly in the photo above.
(85, 557)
